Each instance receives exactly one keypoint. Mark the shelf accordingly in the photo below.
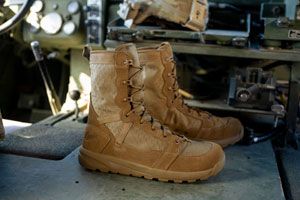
(218, 50)
(223, 106)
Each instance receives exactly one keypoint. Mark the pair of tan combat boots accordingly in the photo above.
(138, 124)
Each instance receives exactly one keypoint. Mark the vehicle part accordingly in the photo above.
(59, 25)
(69, 28)
(95, 11)
(50, 90)
(281, 21)
(8, 25)
(75, 96)
(52, 23)
(253, 137)
(37, 6)
(73, 7)
(252, 88)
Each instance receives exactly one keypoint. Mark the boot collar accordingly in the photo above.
(164, 50)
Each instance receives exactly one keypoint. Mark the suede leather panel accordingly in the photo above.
(196, 148)
(169, 155)
(177, 120)
(131, 153)
(143, 139)
(183, 9)
(101, 57)
(201, 162)
(104, 92)
(96, 136)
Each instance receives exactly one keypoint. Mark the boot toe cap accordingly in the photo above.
(228, 131)
(199, 156)
(233, 129)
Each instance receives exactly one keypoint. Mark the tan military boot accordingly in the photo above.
(192, 14)
(121, 137)
(164, 102)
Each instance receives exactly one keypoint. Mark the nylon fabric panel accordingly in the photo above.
(104, 90)
(202, 162)
(143, 140)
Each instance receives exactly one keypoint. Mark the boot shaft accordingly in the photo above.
(159, 78)
(116, 82)
(117, 103)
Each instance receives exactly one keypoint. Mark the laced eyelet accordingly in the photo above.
(128, 62)
(168, 59)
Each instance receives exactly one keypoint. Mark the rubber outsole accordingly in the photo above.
(104, 163)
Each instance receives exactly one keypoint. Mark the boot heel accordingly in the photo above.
(91, 164)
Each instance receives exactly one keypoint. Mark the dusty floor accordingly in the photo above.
(250, 173)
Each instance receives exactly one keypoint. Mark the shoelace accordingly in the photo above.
(139, 106)
(177, 95)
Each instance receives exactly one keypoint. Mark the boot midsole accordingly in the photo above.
(108, 163)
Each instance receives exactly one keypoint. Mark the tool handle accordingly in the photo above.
(50, 90)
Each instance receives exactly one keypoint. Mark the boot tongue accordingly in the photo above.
(135, 75)
(166, 48)
(167, 53)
